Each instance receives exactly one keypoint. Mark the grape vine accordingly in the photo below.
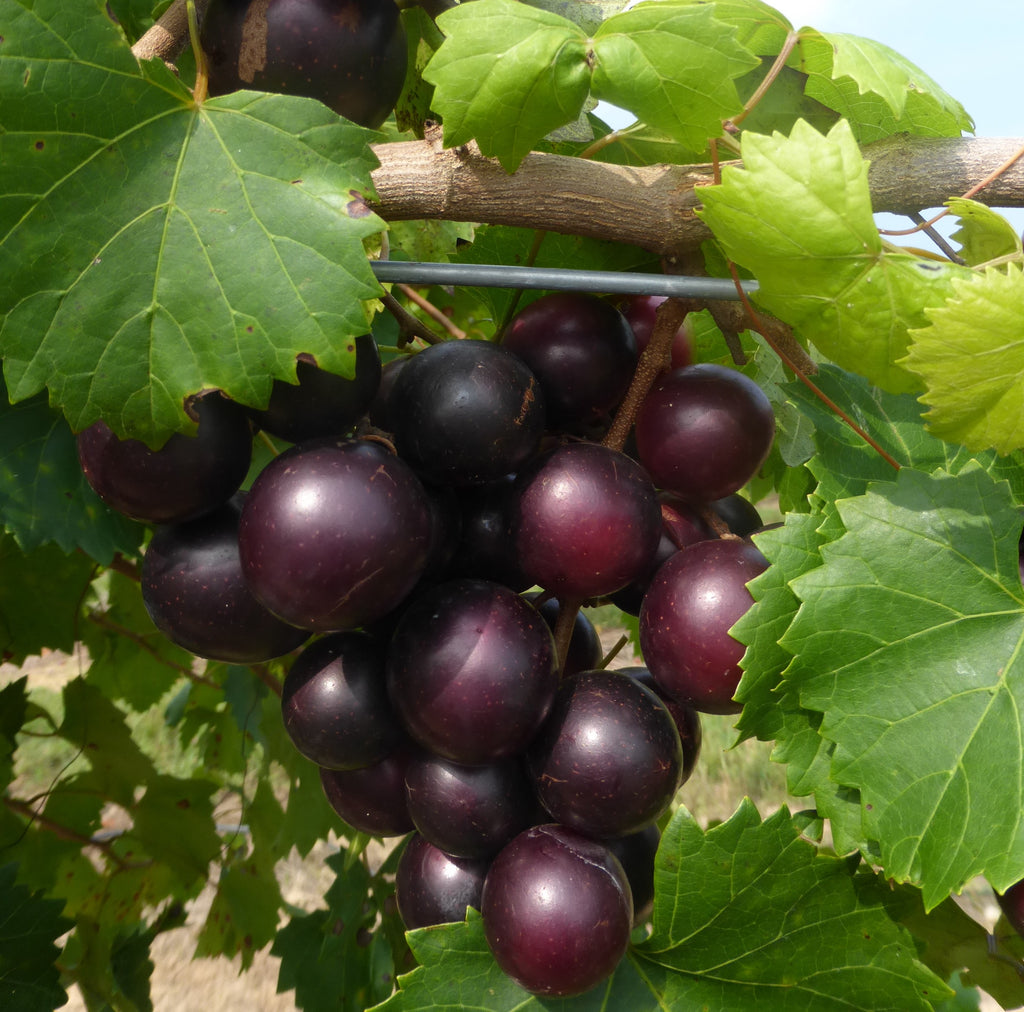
(332, 546)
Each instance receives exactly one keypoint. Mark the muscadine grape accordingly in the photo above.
(469, 811)
(703, 431)
(608, 759)
(349, 54)
(321, 404)
(557, 911)
(371, 799)
(195, 593)
(335, 702)
(641, 311)
(471, 671)
(334, 535)
(432, 887)
(582, 351)
(469, 412)
(586, 521)
(184, 478)
(689, 607)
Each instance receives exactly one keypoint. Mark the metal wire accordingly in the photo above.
(562, 279)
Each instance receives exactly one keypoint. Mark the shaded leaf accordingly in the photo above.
(984, 234)
(29, 926)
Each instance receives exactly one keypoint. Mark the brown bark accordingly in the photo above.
(655, 206)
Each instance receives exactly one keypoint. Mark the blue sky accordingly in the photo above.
(972, 50)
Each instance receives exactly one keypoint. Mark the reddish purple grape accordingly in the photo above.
(471, 671)
(321, 403)
(196, 594)
(470, 412)
(608, 760)
(640, 312)
(704, 431)
(586, 521)
(690, 605)
(335, 534)
(557, 911)
(186, 477)
(432, 887)
(349, 54)
(335, 702)
(371, 799)
(469, 811)
(582, 351)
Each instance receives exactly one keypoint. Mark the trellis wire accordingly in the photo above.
(561, 279)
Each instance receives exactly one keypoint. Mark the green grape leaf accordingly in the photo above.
(972, 360)
(151, 247)
(877, 90)
(907, 641)
(673, 66)
(507, 75)
(174, 822)
(30, 924)
(97, 727)
(335, 959)
(43, 575)
(783, 103)
(44, 497)
(132, 968)
(798, 216)
(983, 234)
(243, 916)
(759, 27)
(746, 915)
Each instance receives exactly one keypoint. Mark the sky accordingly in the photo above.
(971, 49)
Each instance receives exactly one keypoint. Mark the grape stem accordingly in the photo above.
(407, 322)
(657, 357)
(567, 611)
(432, 311)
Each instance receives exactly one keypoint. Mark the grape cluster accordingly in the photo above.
(440, 693)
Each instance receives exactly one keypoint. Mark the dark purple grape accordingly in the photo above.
(585, 651)
(703, 431)
(471, 671)
(582, 351)
(557, 911)
(186, 477)
(196, 595)
(690, 605)
(321, 403)
(469, 811)
(471, 412)
(1011, 903)
(349, 54)
(636, 854)
(432, 887)
(740, 515)
(380, 409)
(335, 702)
(608, 759)
(371, 799)
(586, 521)
(335, 535)
(687, 719)
(485, 549)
